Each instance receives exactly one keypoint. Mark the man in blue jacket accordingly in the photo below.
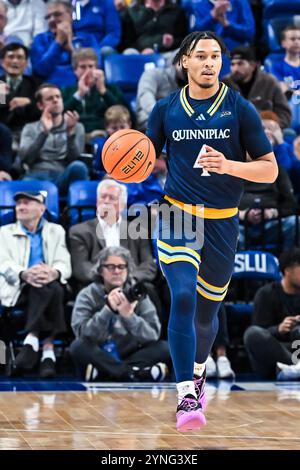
(51, 51)
(231, 19)
(99, 18)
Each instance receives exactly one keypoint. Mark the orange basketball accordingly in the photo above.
(128, 156)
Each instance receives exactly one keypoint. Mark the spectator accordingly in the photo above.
(4, 37)
(231, 19)
(87, 239)
(91, 97)
(51, 146)
(33, 253)
(99, 18)
(51, 52)
(5, 153)
(260, 207)
(153, 26)
(287, 70)
(154, 85)
(20, 106)
(274, 133)
(103, 318)
(275, 323)
(26, 19)
(259, 87)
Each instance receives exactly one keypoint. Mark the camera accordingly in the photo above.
(136, 292)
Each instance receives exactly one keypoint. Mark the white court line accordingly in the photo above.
(144, 435)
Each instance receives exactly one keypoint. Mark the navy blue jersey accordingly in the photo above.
(227, 122)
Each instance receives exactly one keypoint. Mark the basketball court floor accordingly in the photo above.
(94, 416)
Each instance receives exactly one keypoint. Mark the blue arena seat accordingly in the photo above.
(273, 27)
(82, 199)
(126, 70)
(252, 269)
(271, 59)
(294, 104)
(7, 203)
(272, 8)
(253, 264)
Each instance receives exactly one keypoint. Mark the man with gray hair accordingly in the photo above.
(109, 228)
(117, 328)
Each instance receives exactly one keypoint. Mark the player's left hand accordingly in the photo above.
(214, 161)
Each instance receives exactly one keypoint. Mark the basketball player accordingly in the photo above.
(209, 118)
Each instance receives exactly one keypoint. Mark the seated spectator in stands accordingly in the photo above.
(259, 209)
(4, 37)
(26, 19)
(261, 88)
(116, 335)
(91, 97)
(99, 18)
(281, 149)
(109, 228)
(20, 106)
(34, 255)
(51, 146)
(231, 19)
(220, 367)
(154, 85)
(5, 153)
(51, 52)
(153, 26)
(275, 323)
(287, 70)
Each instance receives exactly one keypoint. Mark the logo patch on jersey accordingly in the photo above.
(201, 117)
(197, 163)
(225, 113)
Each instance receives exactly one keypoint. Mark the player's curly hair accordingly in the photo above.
(189, 43)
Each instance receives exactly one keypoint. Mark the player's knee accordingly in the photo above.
(183, 298)
(206, 330)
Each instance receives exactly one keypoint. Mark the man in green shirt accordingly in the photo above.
(91, 97)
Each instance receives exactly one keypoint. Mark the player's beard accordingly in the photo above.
(206, 85)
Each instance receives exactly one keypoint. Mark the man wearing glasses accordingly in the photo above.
(118, 337)
(51, 51)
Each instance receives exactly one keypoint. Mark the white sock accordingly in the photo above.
(199, 369)
(33, 341)
(185, 388)
(48, 354)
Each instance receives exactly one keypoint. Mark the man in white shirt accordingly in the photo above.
(26, 19)
(109, 229)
